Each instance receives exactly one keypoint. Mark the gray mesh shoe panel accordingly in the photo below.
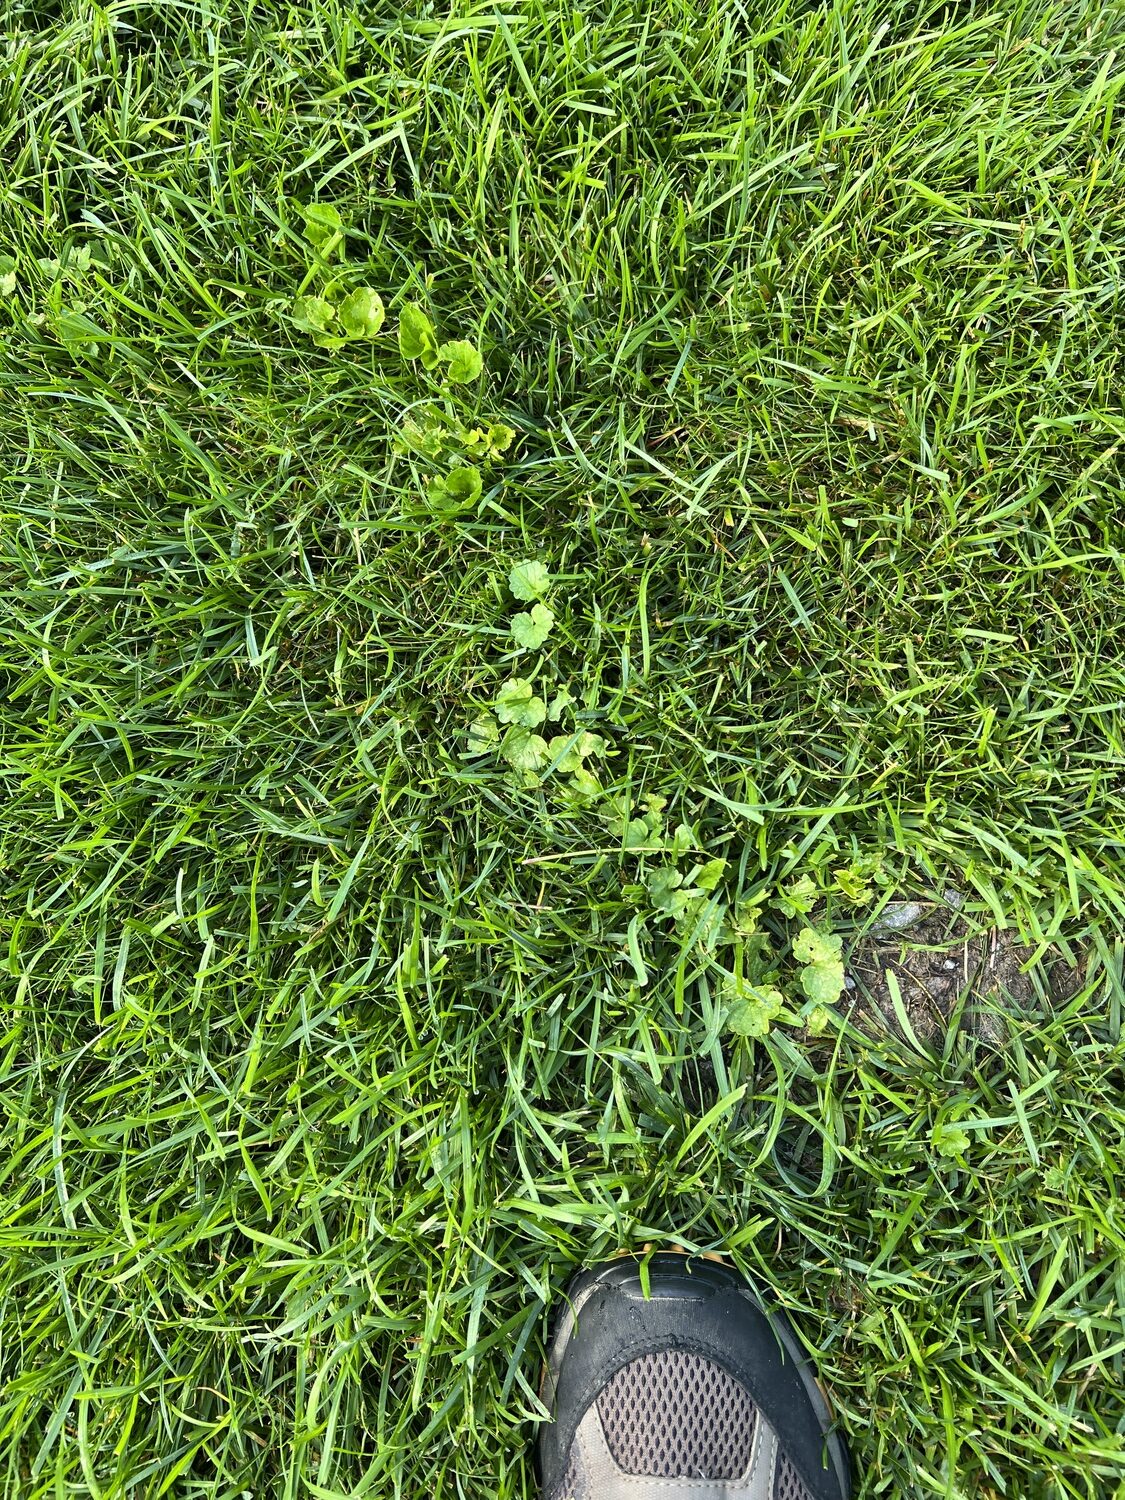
(787, 1484)
(675, 1415)
(573, 1486)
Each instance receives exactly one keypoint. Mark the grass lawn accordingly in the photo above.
(417, 785)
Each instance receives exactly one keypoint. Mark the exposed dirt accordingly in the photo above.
(936, 958)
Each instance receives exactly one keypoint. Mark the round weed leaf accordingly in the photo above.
(950, 1140)
(525, 751)
(484, 735)
(362, 313)
(529, 580)
(463, 359)
(755, 1007)
(531, 630)
(313, 314)
(585, 785)
(416, 335)
(564, 753)
(500, 437)
(823, 982)
(462, 484)
(517, 703)
(814, 947)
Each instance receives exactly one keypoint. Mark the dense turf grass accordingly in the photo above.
(332, 1042)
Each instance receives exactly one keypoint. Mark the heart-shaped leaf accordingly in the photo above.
(463, 359)
(531, 630)
(585, 785)
(636, 834)
(664, 886)
(484, 735)
(462, 484)
(950, 1140)
(362, 313)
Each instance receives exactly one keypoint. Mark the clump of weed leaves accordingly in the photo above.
(450, 453)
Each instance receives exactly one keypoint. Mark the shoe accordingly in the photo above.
(693, 1393)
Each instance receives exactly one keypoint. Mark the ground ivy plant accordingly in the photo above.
(450, 453)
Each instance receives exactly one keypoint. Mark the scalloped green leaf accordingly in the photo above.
(950, 1140)
(753, 1010)
(525, 751)
(464, 360)
(529, 580)
(362, 313)
(484, 735)
(313, 314)
(585, 785)
(416, 337)
(462, 484)
(517, 703)
(823, 982)
(531, 630)
(813, 947)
